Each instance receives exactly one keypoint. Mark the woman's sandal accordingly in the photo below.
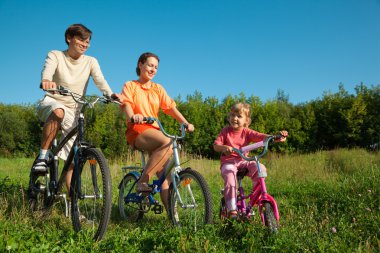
(143, 188)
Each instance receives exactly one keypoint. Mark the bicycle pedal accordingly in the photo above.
(39, 173)
(157, 209)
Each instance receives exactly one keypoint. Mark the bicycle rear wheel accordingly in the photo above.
(269, 218)
(192, 207)
(90, 193)
(129, 206)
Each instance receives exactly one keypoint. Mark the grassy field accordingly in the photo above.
(329, 202)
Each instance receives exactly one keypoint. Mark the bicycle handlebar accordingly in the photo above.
(82, 99)
(151, 120)
(257, 145)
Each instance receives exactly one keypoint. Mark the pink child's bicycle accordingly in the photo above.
(258, 196)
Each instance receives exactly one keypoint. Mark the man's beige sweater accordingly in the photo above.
(73, 74)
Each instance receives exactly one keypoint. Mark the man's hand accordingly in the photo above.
(116, 96)
(46, 84)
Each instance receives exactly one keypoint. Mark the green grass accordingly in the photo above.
(329, 202)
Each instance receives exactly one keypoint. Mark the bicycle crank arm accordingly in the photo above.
(91, 196)
(189, 206)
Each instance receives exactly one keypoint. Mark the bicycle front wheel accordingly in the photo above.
(191, 207)
(90, 192)
(129, 204)
(269, 218)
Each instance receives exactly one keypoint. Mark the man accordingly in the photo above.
(71, 69)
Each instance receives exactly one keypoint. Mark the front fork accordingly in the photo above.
(258, 196)
(265, 197)
(175, 179)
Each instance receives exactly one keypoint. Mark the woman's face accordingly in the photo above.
(238, 120)
(148, 69)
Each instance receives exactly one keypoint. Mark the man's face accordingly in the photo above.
(78, 45)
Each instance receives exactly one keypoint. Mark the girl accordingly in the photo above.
(237, 135)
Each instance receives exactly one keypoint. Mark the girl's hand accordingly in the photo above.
(284, 134)
(227, 150)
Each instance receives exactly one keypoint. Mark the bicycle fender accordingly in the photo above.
(268, 198)
(133, 173)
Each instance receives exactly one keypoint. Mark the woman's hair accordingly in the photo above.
(143, 59)
(77, 30)
(242, 108)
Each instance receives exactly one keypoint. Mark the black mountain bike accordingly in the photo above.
(90, 190)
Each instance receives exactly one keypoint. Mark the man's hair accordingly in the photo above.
(77, 30)
(143, 59)
(242, 108)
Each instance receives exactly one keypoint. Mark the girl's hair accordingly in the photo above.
(242, 108)
(77, 30)
(143, 59)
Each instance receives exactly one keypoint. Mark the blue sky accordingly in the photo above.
(303, 47)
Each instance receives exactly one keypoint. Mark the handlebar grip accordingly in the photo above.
(148, 120)
(278, 136)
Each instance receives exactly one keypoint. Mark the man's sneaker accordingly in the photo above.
(40, 166)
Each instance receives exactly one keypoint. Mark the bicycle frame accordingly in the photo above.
(257, 196)
(52, 182)
(189, 198)
(172, 167)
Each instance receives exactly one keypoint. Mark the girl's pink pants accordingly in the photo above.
(229, 171)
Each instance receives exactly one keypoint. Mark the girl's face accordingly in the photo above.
(238, 120)
(149, 69)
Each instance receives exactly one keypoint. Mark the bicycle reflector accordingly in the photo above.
(186, 182)
(92, 161)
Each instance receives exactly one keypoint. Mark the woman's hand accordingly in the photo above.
(137, 118)
(190, 127)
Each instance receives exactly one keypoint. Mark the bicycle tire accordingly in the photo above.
(91, 194)
(269, 218)
(129, 207)
(191, 186)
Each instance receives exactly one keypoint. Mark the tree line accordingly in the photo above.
(335, 120)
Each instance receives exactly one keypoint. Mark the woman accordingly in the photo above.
(143, 98)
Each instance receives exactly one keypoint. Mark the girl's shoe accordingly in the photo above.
(233, 215)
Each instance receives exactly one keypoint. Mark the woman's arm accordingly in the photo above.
(177, 115)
